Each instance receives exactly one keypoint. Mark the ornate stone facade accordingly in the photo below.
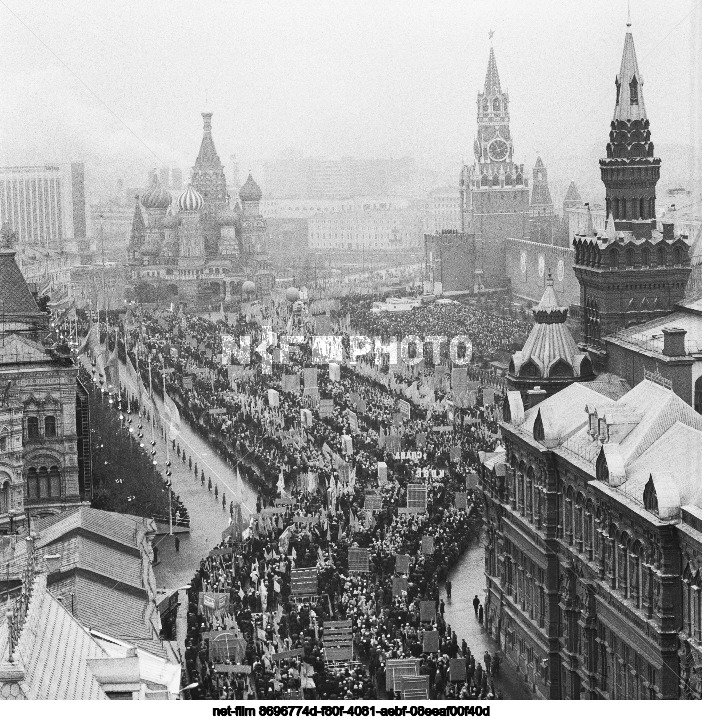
(43, 416)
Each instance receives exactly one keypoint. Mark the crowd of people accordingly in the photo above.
(332, 488)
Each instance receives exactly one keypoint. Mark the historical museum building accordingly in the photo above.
(44, 429)
(593, 504)
(200, 250)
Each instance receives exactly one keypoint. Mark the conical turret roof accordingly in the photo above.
(630, 100)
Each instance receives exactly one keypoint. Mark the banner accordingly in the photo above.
(405, 409)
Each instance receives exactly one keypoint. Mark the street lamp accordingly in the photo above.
(189, 687)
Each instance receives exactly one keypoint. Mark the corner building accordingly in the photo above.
(593, 543)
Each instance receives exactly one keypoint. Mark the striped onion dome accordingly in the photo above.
(156, 197)
(190, 201)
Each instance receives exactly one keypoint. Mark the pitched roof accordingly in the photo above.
(572, 195)
(629, 75)
(15, 296)
(52, 653)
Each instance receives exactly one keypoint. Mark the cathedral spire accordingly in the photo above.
(492, 77)
(630, 101)
(208, 153)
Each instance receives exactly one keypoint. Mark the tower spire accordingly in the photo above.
(492, 77)
(630, 101)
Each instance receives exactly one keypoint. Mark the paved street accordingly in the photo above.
(207, 519)
(467, 579)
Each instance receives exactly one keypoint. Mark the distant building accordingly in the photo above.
(443, 210)
(343, 178)
(449, 262)
(369, 230)
(44, 205)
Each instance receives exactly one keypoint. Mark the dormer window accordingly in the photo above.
(539, 428)
(601, 469)
(650, 497)
(634, 91)
(619, 87)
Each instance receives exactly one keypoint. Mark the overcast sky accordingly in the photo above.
(369, 78)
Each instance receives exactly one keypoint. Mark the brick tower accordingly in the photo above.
(632, 272)
(494, 191)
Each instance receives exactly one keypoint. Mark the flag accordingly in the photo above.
(112, 369)
(172, 415)
(91, 341)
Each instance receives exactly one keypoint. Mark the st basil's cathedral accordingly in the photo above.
(200, 250)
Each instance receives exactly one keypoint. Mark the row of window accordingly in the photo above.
(33, 427)
(43, 482)
(590, 255)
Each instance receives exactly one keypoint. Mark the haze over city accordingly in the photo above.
(329, 79)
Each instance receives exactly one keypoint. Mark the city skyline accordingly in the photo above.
(344, 89)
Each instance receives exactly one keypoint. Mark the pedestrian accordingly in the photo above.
(487, 658)
(195, 470)
(224, 501)
(231, 508)
(448, 590)
(216, 491)
(190, 463)
(476, 603)
(480, 613)
(442, 607)
(202, 478)
(177, 544)
(209, 484)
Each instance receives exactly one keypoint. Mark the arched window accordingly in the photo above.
(43, 482)
(50, 426)
(645, 257)
(4, 439)
(495, 180)
(485, 181)
(677, 256)
(54, 482)
(642, 208)
(519, 178)
(4, 494)
(32, 483)
(629, 258)
(634, 91)
(496, 105)
(32, 427)
(661, 255)
(614, 258)
(486, 105)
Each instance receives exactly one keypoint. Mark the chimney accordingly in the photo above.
(668, 230)
(535, 396)
(674, 341)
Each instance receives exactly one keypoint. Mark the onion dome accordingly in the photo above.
(250, 192)
(190, 201)
(292, 294)
(156, 197)
(248, 287)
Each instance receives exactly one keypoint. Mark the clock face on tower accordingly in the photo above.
(498, 149)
